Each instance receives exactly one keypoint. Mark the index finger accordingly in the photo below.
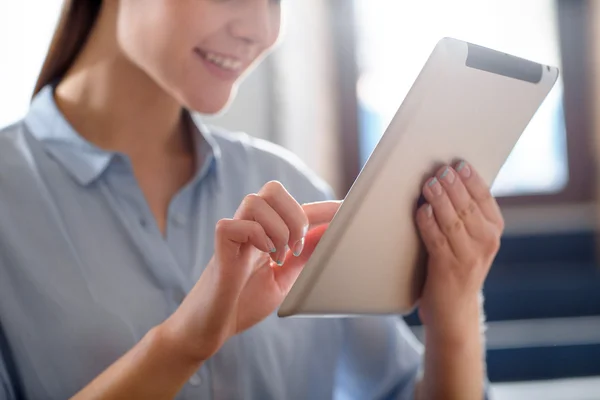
(321, 212)
(276, 196)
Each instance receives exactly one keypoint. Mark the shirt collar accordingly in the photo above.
(87, 162)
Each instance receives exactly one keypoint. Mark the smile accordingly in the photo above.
(224, 62)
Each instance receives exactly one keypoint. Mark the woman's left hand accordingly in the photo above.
(461, 226)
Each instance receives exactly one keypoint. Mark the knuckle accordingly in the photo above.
(468, 211)
(272, 187)
(490, 243)
(271, 191)
(439, 243)
(256, 228)
(501, 223)
(222, 226)
(455, 226)
(494, 244)
(251, 201)
(252, 198)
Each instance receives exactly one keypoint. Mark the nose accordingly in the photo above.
(257, 22)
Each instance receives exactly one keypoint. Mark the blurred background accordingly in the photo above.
(329, 90)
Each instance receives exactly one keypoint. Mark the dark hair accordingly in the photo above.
(74, 26)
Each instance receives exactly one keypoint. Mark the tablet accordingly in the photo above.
(468, 102)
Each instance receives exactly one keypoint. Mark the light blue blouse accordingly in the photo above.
(85, 273)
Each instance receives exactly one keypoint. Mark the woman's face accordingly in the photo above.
(197, 50)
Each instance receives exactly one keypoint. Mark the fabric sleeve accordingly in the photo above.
(381, 359)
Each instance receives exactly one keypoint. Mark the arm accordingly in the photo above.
(155, 368)
(461, 227)
(455, 361)
(240, 287)
(382, 359)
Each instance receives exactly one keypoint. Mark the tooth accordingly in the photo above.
(226, 63)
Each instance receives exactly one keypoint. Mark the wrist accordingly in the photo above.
(164, 340)
(456, 322)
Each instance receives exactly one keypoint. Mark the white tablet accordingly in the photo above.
(468, 102)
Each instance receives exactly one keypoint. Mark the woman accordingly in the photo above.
(143, 254)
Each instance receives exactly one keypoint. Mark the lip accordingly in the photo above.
(214, 69)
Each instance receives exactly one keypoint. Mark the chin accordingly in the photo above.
(210, 103)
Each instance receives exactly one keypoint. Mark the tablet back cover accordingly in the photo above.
(468, 103)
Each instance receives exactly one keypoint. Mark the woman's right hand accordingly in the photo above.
(251, 271)
(241, 285)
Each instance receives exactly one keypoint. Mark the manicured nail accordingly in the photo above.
(271, 246)
(448, 175)
(464, 169)
(429, 211)
(298, 247)
(280, 257)
(435, 186)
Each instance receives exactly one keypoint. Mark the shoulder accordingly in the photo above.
(19, 167)
(9, 134)
(13, 144)
(270, 161)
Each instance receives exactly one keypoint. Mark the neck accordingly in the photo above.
(114, 104)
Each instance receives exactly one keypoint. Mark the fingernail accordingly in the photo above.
(435, 186)
(298, 247)
(428, 211)
(279, 258)
(464, 169)
(271, 246)
(448, 175)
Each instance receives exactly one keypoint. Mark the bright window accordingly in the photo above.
(395, 38)
(26, 28)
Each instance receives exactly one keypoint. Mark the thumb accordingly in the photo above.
(321, 212)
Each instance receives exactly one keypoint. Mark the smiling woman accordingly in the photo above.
(143, 254)
(201, 30)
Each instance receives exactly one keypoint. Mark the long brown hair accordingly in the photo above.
(74, 26)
